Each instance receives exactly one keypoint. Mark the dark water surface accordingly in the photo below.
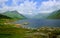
(37, 23)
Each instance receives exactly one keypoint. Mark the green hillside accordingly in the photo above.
(14, 15)
(54, 15)
(4, 17)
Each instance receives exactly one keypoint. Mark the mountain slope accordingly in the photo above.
(4, 17)
(54, 15)
(14, 15)
(41, 15)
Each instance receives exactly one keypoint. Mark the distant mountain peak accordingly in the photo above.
(13, 14)
(41, 15)
(13, 11)
(54, 15)
(58, 10)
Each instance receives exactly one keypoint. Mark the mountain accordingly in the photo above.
(4, 17)
(14, 15)
(41, 15)
(54, 15)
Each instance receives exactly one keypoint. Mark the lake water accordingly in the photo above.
(37, 23)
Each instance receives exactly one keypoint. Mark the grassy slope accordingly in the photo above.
(54, 15)
(9, 31)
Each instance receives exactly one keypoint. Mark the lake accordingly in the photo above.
(37, 23)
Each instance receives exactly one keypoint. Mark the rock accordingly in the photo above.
(26, 23)
(58, 36)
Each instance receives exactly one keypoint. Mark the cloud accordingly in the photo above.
(49, 6)
(29, 7)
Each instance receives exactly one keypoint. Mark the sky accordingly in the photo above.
(29, 7)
